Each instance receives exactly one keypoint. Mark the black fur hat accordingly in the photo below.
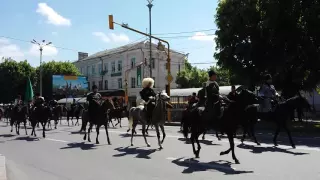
(211, 73)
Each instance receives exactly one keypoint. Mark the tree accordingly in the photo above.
(278, 37)
(14, 76)
(193, 77)
(54, 68)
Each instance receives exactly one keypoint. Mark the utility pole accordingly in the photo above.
(150, 43)
(41, 45)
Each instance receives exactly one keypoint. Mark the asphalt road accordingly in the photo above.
(64, 155)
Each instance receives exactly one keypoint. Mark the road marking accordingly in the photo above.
(57, 140)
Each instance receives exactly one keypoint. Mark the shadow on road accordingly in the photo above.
(259, 149)
(77, 132)
(7, 135)
(82, 146)
(26, 138)
(206, 142)
(193, 165)
(141, 153)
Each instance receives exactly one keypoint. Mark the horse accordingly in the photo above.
(280, 114)
(7, 113)
(227, 122)
(71, 113)
(56, 115)
(19, 115)
(78, 111)
(40, 114)
(100, 118)
(118, 114)
(138, 114)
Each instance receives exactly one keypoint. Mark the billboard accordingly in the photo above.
(69, 85)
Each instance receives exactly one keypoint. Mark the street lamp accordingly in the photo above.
(149, 5)
(41, 45)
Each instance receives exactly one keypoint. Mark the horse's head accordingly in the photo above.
(246, 96)
(163, 96)
(299, 101)
(107, 104)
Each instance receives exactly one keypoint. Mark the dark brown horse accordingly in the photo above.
(99, 118)
(40, 114)
(19, 115)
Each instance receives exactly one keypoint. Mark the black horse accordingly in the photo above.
(19, 115)
(100, 118)
(280, 115)
(227, 122)
(118, 114)
(56, 115)
(40, 114)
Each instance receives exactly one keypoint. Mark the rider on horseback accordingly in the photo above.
(18, 100)
(39, 100)
(148, 96)
(93, 100)
(268, 92)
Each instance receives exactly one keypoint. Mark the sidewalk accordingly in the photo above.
(3, 171)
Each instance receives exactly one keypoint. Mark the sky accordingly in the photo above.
(78, 25)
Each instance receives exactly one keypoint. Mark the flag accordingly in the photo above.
(29, 92)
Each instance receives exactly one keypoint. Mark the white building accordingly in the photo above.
(129, 62)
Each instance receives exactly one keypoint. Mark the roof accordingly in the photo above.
(70, 100)
(225, 90)
(121, 49)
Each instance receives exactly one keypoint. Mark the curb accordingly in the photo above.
(3, 171)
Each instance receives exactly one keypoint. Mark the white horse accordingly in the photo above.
(137, 114)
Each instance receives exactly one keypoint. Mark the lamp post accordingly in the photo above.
(41, 45)
(150, 5)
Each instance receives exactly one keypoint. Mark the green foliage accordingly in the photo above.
(278, 37)
(14, 77)
(192, 77)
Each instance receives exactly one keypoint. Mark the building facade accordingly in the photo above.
(112, 69)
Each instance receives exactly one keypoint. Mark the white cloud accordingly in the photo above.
(52, 16)
(54, 33)
(111, 37)
(47, 50)
(201, 36)
(7, 49)
(102, 36)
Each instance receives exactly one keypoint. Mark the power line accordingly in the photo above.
(186, 32)
(175, 37)
(59, 47)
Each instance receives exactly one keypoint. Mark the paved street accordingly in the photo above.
(64, 155)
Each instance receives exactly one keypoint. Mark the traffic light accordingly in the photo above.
(110, 21)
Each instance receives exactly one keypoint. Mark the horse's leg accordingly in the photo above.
(97, 129)
(217, 134)
(231, 141)
(199, 146)
(147, 129)
(11, 124)
(158, 136)
(192, 138)
(72, 120)
(289, 135)
(44, 129)
(17, 127)
(204, 134)
(254, 135)
(120, 122)
(107, 133)
(163, 133)
(90, 128)
(133, 130)
(25, 126)
(144, 134)
(244, 133)
(276, 135)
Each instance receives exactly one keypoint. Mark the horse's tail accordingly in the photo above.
(130, 118)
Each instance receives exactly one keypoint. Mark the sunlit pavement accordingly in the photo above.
(64, 155)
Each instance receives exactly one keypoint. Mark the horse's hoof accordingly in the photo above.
(84, 138)
(293, 146)
(258, 144)
(160, 148)
(237, 161)
(197, 156)
(222, 153)
(148, 145)
(131, 144)
(89, 140)
(97, 142)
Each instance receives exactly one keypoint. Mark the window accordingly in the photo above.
(88, 70)
(153, 63)
(100, 85)
(133, 62)
(120, 83)
(93, 69)
(133, 82)
(100, 68)
(106, 67)
(154, 85)
(106, 84)
(119, 66)
(113, 67)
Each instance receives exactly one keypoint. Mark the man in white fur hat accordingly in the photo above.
(148, 95)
